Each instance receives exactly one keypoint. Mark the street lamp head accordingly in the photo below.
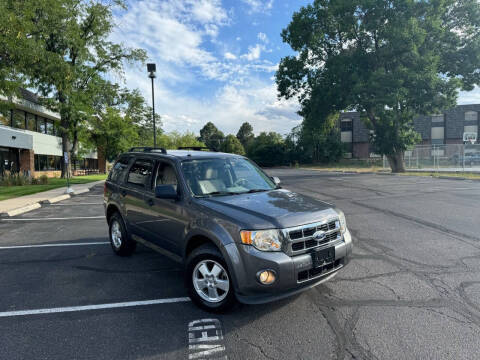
(151, 68)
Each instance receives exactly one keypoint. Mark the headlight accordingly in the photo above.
(264, 240)
(343, 222)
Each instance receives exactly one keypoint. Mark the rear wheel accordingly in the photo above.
(121, 243)
(208, 280)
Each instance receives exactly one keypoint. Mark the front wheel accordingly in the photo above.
(121, 243)
(208, 280)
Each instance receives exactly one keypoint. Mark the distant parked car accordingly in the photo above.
(472, 158)
(240, 235)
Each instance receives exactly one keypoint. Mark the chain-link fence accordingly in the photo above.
(451, 157)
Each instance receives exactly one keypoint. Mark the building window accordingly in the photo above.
(50, 127)
(31, 123)
(439, 118)
(346, 125)
(18, 119)
(471, 116)
(471, 129)
(4, 117)
(41, 127)
(438, 135)
(48, 163)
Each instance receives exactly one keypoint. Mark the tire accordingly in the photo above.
(122, 244)
(209, 256)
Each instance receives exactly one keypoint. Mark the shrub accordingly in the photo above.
(44, 180)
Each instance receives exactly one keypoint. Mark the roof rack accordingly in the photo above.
(148, 149)
(196, 148)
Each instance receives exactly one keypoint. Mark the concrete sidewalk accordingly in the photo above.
(22, 204)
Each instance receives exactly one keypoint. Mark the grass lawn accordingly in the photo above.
(9, 192)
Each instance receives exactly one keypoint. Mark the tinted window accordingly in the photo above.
(41, 125)
(165, 175)
(140, 173)
(31, 122)
(4, 117)
(118, 171)
(18, 119)
(50, 128)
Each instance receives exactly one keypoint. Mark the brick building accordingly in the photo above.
(446, 127)
(30, 141)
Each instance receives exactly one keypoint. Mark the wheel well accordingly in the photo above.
(196, 242)
(112, 209)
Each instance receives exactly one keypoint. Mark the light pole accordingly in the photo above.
(151, 68)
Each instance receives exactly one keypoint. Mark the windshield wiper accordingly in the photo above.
(220, 193)
(254, 191)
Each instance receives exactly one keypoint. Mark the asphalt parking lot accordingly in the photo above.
(411, 291)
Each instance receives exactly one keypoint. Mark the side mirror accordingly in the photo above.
(276, 180)
(166, 192)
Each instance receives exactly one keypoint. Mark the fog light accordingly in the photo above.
(266, 277)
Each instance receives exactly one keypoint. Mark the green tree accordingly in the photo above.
(71, 53)
(174, 140)
(245, 134)
(388, 59)
(232, 145)
(268, 149)
(211, 136)
(120, 119)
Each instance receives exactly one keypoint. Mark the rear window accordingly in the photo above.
(140, 173)
(117, 174)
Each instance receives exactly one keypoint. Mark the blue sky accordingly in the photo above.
(215, 61)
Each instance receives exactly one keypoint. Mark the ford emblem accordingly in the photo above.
(319, 235)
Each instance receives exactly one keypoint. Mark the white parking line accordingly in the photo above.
(77, 204)
(52, 245)
(93, 307)
(58, 218)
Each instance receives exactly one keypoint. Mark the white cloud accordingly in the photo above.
(257, 6)
(469, 97)
(230, 56)
(263, 37)
(207, 11)
(254, 52)
(178, 35)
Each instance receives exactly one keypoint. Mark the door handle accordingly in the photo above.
(150, 202)
(123, 192)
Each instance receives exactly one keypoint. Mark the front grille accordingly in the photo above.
(301, 237)
(319, 271)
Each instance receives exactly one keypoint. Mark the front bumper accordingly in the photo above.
(294, 273)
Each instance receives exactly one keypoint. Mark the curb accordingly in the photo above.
(57, 199)
(81, 191)
(21, 210)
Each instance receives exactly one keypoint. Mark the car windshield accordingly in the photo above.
(224, 176)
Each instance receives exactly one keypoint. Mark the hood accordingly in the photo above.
(270, 209)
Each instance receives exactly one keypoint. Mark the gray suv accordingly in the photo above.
(238, 233)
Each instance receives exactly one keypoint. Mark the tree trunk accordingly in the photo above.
(66, 168)
(396, 162)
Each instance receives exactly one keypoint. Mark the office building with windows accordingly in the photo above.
(30, 141)
(446, 127)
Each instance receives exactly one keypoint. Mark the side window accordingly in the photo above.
(118, 171)
(140, 173)
(165, 175)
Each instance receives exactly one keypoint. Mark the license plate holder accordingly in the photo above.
(324, 256)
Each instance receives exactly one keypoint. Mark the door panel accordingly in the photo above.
(166, 219)
(133, 193)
